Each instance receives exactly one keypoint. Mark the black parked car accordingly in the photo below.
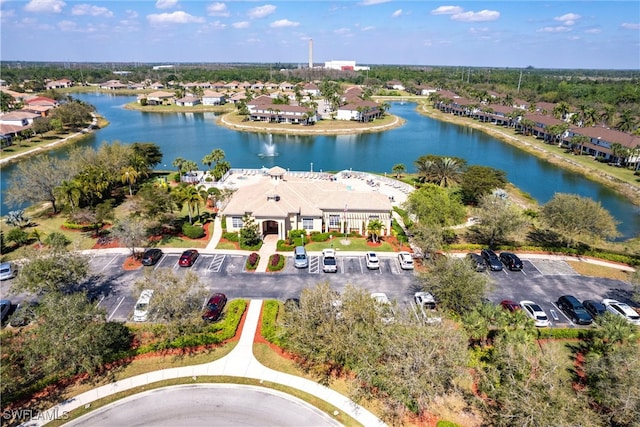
(477, 262)
(574, 310)
(491, 259)
(511, 260)
(594, 308)
(151, 256)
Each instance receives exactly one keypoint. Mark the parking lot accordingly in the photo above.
(541, 280)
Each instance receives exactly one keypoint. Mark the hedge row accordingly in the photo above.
(269, 329)
(81, 227)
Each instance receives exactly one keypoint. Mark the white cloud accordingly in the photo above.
(427, 43)
(447, 10)
(342, 31)
(397, 13)
(372, 2)
(178, 17)
(87, 9)
(560, 29)
(478, 30)
(218, 9)
(240, 25)
(483, 15)
(131, 14)
(166, 4)
(630, 26)
(282, 23)
(54, 6)
(568, 18)
(261, 11)
(67, 26)
(368, 28)
(593, 31)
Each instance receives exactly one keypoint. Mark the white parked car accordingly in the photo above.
(405, 260)
(384, 305)
(329, 261)
(373, 263)
(141, 311)
(426, 304)
(534, 311)
(621, 309)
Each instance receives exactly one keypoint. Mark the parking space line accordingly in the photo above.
(99, 302)
(109, 263)
(116, 309)
(162, 258)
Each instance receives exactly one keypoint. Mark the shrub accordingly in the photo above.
(192, 231)
(57, 240)
(276, 262)
(319, 237)
(252, 261)
(80, 227)
(18, 235)
(284, 246)
(566, 333)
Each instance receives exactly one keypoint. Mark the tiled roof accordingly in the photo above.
(608, 135)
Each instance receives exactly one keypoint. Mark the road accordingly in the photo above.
(207, 405)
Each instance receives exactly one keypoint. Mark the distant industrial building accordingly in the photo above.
(344, 65)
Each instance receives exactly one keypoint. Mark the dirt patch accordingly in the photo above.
(131, 263)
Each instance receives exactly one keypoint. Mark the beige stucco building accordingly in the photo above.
(281, 201)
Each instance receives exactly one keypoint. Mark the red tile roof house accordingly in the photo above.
(359, 111)
(541, 122)
(41, 101)
(11, 124)
(601, 139)
(113, 85)
(282, 113)
(495, 113)
(211, 97)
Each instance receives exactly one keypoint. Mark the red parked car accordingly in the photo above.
(188, 258)
(214, 307)
(510, 305)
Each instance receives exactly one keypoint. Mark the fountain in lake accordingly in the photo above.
(269, 149)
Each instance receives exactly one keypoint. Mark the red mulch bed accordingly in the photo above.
(113, 243)
(131, 263)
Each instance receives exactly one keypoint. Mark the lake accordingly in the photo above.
(193, 135)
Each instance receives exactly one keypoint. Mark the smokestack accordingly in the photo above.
(310, 53)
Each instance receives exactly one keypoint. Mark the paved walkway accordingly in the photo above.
(240, 362)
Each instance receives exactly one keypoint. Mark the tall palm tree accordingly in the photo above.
(561, 110)
(192, 198)
(129, 175)
(178, 162)
(579, 141)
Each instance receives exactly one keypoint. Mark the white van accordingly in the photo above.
(141, 312)
(300, 257)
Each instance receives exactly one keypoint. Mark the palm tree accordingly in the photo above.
(627, 121)
(69, 190)
(214, 156)
(579, 140)
(374, 228)
(607, 114)
(129, 175)
(399, 169)
(178, 162)
(446, 172)
(192, 198)
(561, 110)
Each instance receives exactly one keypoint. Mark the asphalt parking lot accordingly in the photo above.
(541, 280)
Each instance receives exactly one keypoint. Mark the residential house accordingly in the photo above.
(59, 84)
(395, 85)
(311, 89)
(188, 101)
(18, 118)
(602, 139)
(113, 85)
(211, 97)
(158, 98)
(362, 111)
(282, 113)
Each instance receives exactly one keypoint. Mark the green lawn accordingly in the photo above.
(349, 244)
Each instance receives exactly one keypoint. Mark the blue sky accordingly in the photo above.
(542, 34)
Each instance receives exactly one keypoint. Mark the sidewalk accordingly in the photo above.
(240, 362)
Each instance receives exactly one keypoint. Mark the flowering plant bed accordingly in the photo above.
(252, 261)
(276, 262)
